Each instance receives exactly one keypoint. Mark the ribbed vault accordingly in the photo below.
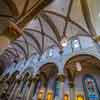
(60, 18)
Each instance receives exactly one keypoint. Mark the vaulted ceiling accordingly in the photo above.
(60, 18)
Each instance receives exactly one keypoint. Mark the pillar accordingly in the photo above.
(42, 92)
(59, 90)
(26, 89)
(3, 85)
(72, 90)
(17, 92)
(66, 90)
(14, 90)
(10, 88)
(33, 82)
(50, 88)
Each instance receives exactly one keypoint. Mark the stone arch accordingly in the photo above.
(48, 69)
(28, 72)
(48, 60)
(90, 65)
(15, 73)
(83, 59)
(78, 56)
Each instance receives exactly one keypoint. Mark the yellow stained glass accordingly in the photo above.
(49, 96)
(79, 97)
(40, 95)
(66, 97)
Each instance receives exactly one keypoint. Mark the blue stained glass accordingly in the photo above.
(93, 97)
(91, 88)
(57, 88)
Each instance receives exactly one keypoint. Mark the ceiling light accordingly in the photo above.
(78, 66)
(64, 42)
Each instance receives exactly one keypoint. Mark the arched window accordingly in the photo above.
(50, 52)
(90, 88)
(75, 44)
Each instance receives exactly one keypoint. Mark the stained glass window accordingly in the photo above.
(75, 44)
(58, 85)
(66, 97)
(79, 97)
(50, 96)
(90, 88)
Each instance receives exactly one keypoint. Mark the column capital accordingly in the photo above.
(18, 80)
(71, 84)
(33, 79)
(61, 77)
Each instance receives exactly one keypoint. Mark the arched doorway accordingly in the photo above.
(76, 68)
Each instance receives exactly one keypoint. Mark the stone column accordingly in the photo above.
(51, 88)
(66, 89)
(41, 94)
(14, 91)
(18, 89)
(26, 89)
(33, 82)
(3, 86)
(71, 74)
(59, 87)
(72, 90)
(11, 81)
